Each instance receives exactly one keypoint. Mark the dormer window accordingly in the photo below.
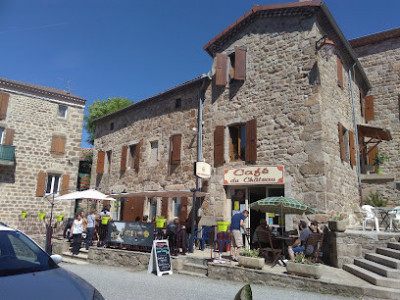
(112, 126)
(62, 111)
(237, 65)
(178, 103)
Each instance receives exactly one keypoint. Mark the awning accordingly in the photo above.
(164, 193)
(374, 132)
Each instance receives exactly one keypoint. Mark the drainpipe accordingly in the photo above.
(356, 134)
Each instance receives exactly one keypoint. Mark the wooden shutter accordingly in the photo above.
(219, 138)
(138, 155)
(54, 144)
(64, 184)
(41, 183)
(341, 141)
(221, 72)
(369, 108)
(4, 97)
(128, 207)
(362, 102)
(100, 162)
(339, 72)
(240, 64)
(9, 138)
(124, 154)
(164, 207)
(352, 149)
(371, 154)
(183, 212)
(176, 149)
(251, 141)
(61, 145)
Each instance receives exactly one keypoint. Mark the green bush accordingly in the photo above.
(250, 253)
(375, 200)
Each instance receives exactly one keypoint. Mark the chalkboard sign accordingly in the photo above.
(131, 233)
(160, 259)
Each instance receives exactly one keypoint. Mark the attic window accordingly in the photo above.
(178, 103)
(238, 64)
(112, 126)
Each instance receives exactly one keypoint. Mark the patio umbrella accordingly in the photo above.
(283, 205)
(87, 194)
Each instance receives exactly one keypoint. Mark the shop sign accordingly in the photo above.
(254, 175)
(202, 169)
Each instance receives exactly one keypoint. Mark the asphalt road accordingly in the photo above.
(122, 283)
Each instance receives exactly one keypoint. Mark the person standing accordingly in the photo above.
(237, 222)
(76, 233)
(105, 216)
(91, 223)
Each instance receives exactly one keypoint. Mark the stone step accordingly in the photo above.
(195, 268)
(73, 261)
(188, 273)
(383, 260)
(377, 268)
(389, 252)
(394, 245)
(80, 256)
(372, 277)
(196, 260)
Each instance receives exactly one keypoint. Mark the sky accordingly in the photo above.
(137, 48)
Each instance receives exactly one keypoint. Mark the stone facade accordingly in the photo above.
(32, 114)
(291, 91)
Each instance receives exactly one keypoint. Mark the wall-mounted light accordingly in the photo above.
(326, 46)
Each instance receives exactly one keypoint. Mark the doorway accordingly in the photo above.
(255, 194)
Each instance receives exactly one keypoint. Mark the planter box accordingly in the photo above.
(338, 226)
(304, 269)
(251, 262)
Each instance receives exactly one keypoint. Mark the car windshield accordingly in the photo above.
(18, 254)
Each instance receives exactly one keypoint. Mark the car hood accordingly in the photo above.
(51, 284)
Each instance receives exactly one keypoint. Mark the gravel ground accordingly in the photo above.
(120, 283)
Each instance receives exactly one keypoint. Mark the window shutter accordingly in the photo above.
(64, 185)
(339, 72)
(369, 108)
(164, 207)
(4, 97)
(61, 145)
(100, 162)
(352, 149)
(371, 155)
(341, 141)
(124, 154)
(251, 141)
(221, 72)
(176, 149)
(240, 64)
(138, 155)
(9, 138)
(362, 102)
(219, 138)
(183, 212)
(41, 183)
(54, 144)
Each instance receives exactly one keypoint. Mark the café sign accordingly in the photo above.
(254, 175)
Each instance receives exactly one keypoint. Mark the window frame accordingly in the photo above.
(2, 135)
(132, 156)
(176, 203)
(65, 112)
(241, 139)
(53, 177)
(109, 160)
(156, 158)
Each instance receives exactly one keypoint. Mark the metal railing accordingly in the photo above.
(7, 152)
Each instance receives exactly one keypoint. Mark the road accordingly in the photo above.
(122, 283)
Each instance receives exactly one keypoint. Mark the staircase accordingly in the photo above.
(194, 267)
(80, 259)
(381, 268)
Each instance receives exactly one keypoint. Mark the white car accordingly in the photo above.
(27, 272)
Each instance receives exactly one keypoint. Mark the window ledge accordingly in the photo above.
(6, 162)
(378, 177)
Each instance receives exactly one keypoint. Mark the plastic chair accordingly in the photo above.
(205, 233)
(369, 211)
(394, 216)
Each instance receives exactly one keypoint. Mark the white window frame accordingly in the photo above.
(58, 111)
(2, 134)
(53, 179)
(176, 201)
(346, 144)
(156, 158)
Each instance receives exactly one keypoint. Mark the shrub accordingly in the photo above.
(375, 200)
(250, 253)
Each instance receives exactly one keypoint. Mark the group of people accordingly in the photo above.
(87, 225)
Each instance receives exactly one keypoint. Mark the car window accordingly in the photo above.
(21, 250)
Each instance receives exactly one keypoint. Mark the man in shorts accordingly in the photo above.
(300, 243)
(236, 236)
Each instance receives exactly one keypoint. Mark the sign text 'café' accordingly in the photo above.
(254, 175)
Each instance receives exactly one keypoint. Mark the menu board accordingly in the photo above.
(131, 233)
(160, 259)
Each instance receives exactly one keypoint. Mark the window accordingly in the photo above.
(1, 135)
(62, 111)
(176, 143)
(112, 126)
(58, 144)
(53, 183)
(154, 151)
(178, 103)
(108, 167)
(176, 207)
(238, 64)
(237, 135)
(152, 204)
(132, 156)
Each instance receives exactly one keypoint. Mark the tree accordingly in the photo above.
(101, 108)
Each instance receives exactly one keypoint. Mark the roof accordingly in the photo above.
(46, 91)
(375, 38)
(304, 9)
(145, 101)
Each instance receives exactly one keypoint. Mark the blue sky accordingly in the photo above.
(137, 48)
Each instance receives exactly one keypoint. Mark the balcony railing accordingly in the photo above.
(7, 153)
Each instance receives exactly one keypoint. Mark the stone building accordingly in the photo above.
(40, 130)
(379, 55)
(278, 112)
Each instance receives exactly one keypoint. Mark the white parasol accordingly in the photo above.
(87, 194)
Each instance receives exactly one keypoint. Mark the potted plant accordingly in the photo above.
(303, 266)
(41, 215)
(222, 225)
(250, 259)
(379, 160)
(375, 200)
(337, 222)
(60, 218)
(23, 214)
(160, 221)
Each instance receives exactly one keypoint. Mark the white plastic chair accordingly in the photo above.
(394, 216)
(369, 211)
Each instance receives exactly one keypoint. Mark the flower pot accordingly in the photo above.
(41, 216)
(23, 215)
(251, 262)
(60, 218)
(313, 270)
(222, 226)
(379, 171)
(160, 223)
(338, 226)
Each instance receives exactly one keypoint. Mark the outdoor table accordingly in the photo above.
(385, 214)
(285, 241)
